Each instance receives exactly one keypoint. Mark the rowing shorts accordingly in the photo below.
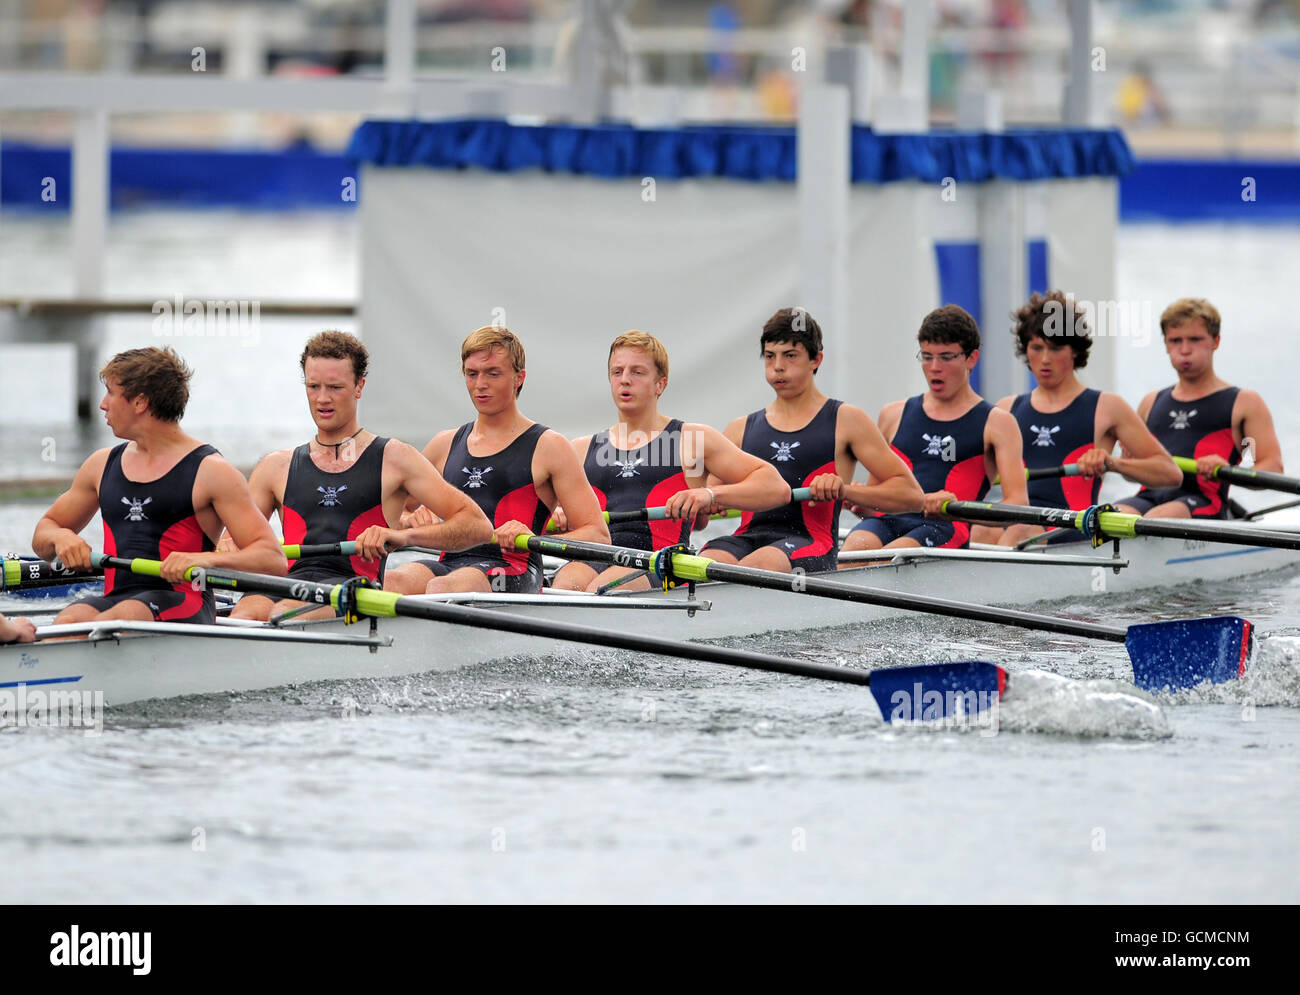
(1143, 501)
(918, 528)
(742, 545)
(528, 582)
(167, 606)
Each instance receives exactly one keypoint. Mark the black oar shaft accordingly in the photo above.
(800, 583)
(1258, 479)
(385, 603)
(1127, 525)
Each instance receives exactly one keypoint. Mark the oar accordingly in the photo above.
(1048, 472)
(1117, 525)
(660, 514)
(28, 573)
(1174, 654)
(1260, 480)
(922, 693)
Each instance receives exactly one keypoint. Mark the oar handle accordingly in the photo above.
(1261, 480)
(298, 551)
(36, 573)
(1048, 472)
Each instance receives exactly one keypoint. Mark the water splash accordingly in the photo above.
(1042, 702)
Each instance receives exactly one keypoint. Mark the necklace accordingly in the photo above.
(336, 445)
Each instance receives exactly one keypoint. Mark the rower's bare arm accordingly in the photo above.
(1002, 434)
(1005, 403)
(888, 419)
(560, 465)
(733, 433)
(742, 480)
(1145, 460)
(57, 533)
(890, 486)
(436, 453)
(221, 487)
(462, 523)
(266, 493)
(1146, 404)
(1257, 424)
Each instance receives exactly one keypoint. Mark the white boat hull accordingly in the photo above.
(135, 661)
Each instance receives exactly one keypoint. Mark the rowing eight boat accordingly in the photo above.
(131, 661)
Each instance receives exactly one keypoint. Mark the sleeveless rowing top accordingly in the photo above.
(324, 507)
(152, 520)
(944, 455)
(1054, 440)
(798, 456)
(1197, 428)
(502, 485)
(631, 479)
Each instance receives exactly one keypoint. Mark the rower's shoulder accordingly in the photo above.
(92, 470)
(580, 443)
(1248, 398)
(1002, 420)
(892, 409)
(1006, 403)
(552, 444)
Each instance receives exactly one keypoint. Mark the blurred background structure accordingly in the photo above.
(154, 150)
(1192, 75)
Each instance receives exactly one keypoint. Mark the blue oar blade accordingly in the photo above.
(1184, 653)
(937, 691)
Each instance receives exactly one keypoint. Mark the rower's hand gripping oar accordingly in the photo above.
(948, 690)
(1261, 480)
(1164, 654)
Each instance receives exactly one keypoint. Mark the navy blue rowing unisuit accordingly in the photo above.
(151, 520)
(943, 456)
(321, 507)
(1057, 439)
(808, 534)
(632, 479)
(502, 485)
(1192, 429)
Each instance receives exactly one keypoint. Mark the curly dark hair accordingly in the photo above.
(1053, 318)
(950, 325)
(334, 344)
(160, 375)
(794, 325)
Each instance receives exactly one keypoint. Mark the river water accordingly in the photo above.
(604, 776)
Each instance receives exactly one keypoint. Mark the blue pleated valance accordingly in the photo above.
(752, 153)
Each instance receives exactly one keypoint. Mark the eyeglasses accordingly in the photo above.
(943, 357)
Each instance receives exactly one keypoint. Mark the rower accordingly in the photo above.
(1201, 417)
(952, 439)
(1063, 422)
(812, 441)
(648, 460)
(514, 469)
(350, 484)
(162, 494)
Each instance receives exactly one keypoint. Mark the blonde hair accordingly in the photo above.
(1187, 309)
(488, 338)
(647, 343)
